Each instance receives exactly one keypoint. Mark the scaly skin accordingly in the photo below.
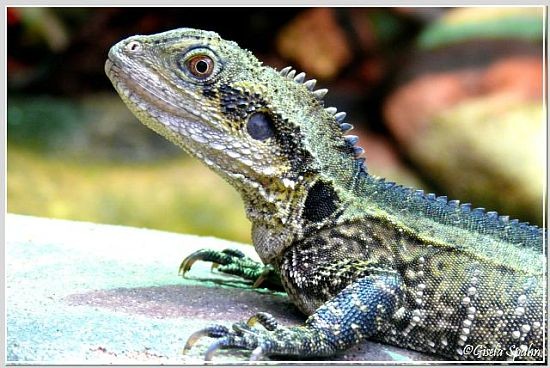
(362, 257)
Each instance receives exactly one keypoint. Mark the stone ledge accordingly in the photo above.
(84, 293)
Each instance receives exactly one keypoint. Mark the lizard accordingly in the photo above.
(362, 257)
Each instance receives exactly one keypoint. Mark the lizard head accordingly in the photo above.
(265, 131)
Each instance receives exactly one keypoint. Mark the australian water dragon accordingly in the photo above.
(362, 257)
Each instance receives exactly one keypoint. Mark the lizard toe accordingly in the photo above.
(233, 253)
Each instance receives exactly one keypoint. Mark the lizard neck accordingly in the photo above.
(281, 217)
(276, 218)
(280, 208)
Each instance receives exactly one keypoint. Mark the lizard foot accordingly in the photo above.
(271, 340)
(235, 262)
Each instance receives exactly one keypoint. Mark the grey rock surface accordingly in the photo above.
(83, 293)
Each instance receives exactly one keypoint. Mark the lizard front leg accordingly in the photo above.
(343, 321)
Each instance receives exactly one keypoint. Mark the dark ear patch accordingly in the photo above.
(260, 126)
(321, 202)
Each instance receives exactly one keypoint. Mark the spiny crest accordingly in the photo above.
(461, 214)
(438, 206)
(290, 73)
(339, 116)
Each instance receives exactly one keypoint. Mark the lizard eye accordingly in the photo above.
(201, 66)
(260, 126)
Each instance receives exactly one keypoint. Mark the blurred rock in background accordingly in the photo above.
(467, 109)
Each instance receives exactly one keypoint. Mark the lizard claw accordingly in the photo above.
(257, 354)
(215, 331)
(264, 319)
(213, 347)
(263, 277)
(205, 255)
(187, 263)
(231, 340)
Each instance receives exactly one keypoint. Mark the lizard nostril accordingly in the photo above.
(133, 46)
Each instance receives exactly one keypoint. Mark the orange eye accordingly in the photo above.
(201, 66)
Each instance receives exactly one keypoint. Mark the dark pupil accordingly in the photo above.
(260, 126)
(201, 66)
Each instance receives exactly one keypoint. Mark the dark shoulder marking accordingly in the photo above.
(321, 202)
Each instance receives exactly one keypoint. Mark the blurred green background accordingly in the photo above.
(444, 99)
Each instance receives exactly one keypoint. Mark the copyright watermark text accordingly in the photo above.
(513, 352)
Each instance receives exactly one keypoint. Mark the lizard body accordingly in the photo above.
(362, 257)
